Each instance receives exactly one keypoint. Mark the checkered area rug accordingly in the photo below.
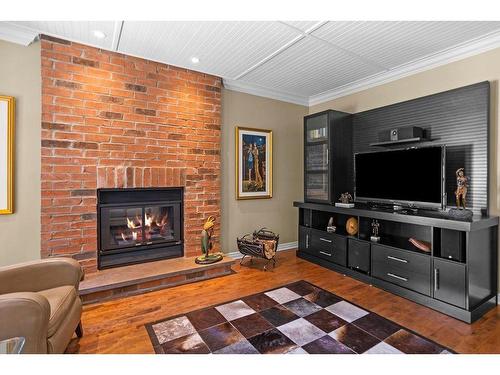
(298, 318)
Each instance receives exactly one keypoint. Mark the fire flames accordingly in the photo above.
(131, 224)
(149, 220)
(155, 227)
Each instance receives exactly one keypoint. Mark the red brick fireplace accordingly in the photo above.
(111, 121)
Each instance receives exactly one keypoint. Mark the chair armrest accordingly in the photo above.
(40, 275)
(25, 315)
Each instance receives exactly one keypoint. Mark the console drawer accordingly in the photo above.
(329, 246)
(411, 271)
(415, 281)
(405, 260)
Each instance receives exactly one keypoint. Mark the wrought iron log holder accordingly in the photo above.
(253, 245)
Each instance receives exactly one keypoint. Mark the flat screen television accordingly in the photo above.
(412, 177)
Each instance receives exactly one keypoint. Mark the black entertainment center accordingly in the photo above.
(451, 262)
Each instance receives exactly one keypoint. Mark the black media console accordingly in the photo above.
(458, 276)
(457, 273)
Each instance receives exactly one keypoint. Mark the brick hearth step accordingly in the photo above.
(146, 277)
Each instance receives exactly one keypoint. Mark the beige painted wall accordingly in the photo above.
(483, 67)
(243, 216)
(20, 77)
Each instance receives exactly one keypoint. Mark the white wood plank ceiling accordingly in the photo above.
(304, 62)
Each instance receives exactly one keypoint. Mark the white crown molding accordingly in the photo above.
(284, 246)
(450, 55)
(17, 34)
(265, 92)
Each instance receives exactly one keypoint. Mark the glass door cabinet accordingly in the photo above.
(327, 152)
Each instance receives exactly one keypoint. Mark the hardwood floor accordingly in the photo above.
(118, 326)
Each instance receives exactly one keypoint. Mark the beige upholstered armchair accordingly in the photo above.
(39, 301)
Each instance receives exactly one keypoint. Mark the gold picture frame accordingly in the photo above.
(7, 115)
(254, 163)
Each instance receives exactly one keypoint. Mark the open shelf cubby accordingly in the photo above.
(450, 245)
(397, 234)
(320, 219)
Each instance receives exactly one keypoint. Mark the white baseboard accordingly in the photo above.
(281, 247)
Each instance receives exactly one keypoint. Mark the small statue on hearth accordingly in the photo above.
(207, 245)
(331, 228)
(345, 198)
(461, 192)
(375, 230)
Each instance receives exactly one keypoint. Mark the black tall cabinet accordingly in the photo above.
(327, 156)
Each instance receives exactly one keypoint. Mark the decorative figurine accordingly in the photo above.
(461, 212)
(461, 192)
(331, 228)
(375, 229)
(345, 200)
(351, 226)
(207, 245)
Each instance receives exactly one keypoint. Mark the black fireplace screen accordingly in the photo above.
(123, 227)
(138, 225)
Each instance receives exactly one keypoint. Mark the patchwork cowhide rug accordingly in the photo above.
(298, 318)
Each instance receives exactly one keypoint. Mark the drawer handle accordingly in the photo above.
(397, 277)
(307, 241)
(325, 240)
(327, 254)
(397, 259)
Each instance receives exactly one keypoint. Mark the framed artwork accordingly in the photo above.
(254, 163)
(7, 109)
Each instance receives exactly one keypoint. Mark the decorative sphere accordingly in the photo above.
(351, 226)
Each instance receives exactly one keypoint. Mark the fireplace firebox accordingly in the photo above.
(139, 225)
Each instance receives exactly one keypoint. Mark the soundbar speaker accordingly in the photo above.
(399, 134)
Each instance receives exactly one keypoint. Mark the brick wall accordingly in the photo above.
(111, 120)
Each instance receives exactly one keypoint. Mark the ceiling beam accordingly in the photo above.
(270, 56)
(327, 43)
(117, 34)
(302, 35)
